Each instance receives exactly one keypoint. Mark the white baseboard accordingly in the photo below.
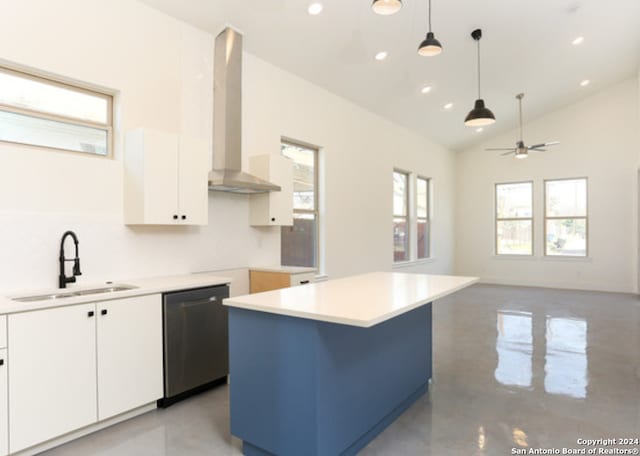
(560, 285)
(49, 444)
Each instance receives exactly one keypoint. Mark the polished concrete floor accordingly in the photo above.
(514, 367)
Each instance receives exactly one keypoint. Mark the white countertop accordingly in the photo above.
(283, 269)
(363, 300)
(145, 286)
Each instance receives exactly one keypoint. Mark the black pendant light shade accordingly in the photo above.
(386, 7)
(430, 46)
(480, 115)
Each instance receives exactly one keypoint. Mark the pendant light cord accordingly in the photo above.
(429, 15)
(479, 95)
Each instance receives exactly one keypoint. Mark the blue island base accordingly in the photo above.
(305, 387)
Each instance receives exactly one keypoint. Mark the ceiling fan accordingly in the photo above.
(521, 150)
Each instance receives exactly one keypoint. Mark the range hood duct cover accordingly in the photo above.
(227, 174)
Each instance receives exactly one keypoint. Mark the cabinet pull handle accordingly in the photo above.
(175, 216)
(273, 219)
(90, 313)
(184, 217)
(103, 312)
(304, 282)
(1, 362)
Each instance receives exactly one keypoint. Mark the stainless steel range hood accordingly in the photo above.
(227, 174)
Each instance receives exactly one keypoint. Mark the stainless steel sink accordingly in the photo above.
(75, 293)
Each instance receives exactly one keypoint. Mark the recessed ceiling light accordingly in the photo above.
(578, 41)
(479, 130)
(426, 89)
(381, 55)
(315, 8)
(585, 83)
(448, 106)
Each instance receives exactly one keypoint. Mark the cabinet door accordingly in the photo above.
(160, 178)
(53, 373)
(129, 354)
(4, 410)
(193, 194)
(281, 203)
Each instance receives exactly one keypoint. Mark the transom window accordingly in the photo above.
(566, 217)
(514, 218)
(41, 112)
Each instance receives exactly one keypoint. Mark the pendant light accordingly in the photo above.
(386, 7)
(480, 115)
(430, 46)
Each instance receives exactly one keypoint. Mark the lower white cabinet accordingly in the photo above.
(73, 366)
(129, 354)
(4, 410)
(52, 373)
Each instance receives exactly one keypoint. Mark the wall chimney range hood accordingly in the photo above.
(227, 174)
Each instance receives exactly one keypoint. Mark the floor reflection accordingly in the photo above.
(565, 366)
(564, 344)
(515, 348)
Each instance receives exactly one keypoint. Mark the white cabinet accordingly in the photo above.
(273, 208)
(77, 365)
(165, 179)
(4, 393)
(53, 373)
(129, 354)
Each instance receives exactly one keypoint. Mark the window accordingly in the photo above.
(400, 216)
(566, 217)
(514, 218)
(422, 207)
(46, 113)
(299, 243)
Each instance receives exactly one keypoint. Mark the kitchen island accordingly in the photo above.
(321, 369)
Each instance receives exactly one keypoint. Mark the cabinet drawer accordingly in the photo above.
(3, 331)
(302, 279)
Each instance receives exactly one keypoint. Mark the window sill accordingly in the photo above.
(578, 259)
(514, 257)
(408, 264)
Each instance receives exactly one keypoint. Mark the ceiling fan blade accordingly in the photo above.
(537, 150)
(552, 143)
(508, 153)
(502, 148)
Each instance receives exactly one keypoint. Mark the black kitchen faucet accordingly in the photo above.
(63, 280)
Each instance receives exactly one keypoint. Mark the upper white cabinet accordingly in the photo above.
(165, 179)
(52, 374)
(274, 208)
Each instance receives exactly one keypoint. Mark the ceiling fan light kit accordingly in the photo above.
(430, 46)
(386, 7)
(480, 115)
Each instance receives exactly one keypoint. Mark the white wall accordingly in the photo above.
(599, 139)
(161, 72)
(359, 152)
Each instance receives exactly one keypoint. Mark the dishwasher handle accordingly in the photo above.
(201, 302)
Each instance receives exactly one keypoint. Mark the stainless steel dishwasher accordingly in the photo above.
(196, 343)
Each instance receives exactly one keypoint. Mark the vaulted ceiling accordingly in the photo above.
(526, 47)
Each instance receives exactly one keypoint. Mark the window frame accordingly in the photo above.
(511, 219)
(408, 217)
(426, 219)
(585, 217)
(316, 199)
(107, 127)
